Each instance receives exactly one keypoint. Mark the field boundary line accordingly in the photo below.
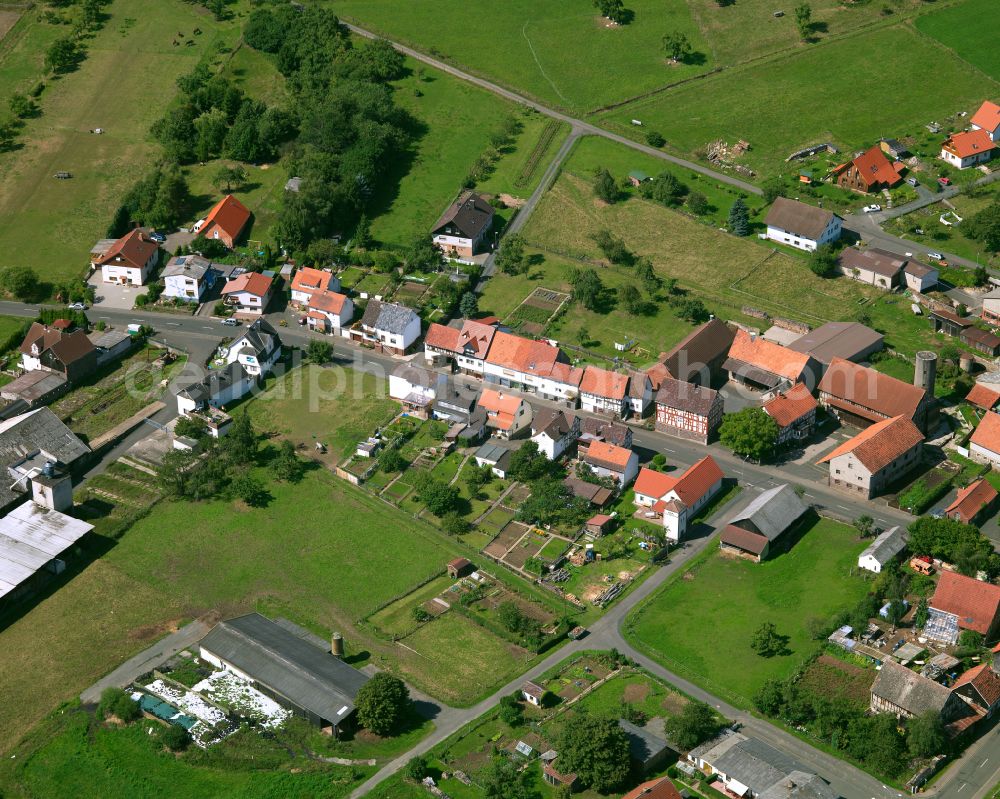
(538, 64)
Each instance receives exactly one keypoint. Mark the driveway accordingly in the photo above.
(112, 295)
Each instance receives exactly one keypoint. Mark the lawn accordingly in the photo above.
(130, 64)
(71, 755)
(461, 660)
(336, 407)
(928, 82)
(559, 51)
(725, 27)
(971, 29)
(453, 123)
(397, 617)
(724, 600)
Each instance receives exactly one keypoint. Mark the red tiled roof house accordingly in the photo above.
(974, 503)
(676, 500)
(608, 460)
(987, 118)
(308, 281)
(984, 446)
(506, 414)
(795, 413)
(968, 148)
(534, 367)
(225, 222)
(466, 346)
(603, 391)
(876, 457)
(974, 604)
(329, 312)
(126, 261)
(248, 293)
(869, 172)
(761, 364)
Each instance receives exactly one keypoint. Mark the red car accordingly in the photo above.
(944, 181)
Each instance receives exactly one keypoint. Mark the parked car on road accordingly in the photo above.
(159, 238)
(935, 256)
(231, 322)
(913, 182)
(944, 181)
(870, 209)
(77, 306)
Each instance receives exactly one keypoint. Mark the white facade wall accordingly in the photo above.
(980, 454)
(595, 403)
(869, 563)
(247, 302)
(400, 388)
(400, 341)
(30, 363)
(832, 233)
(183, 288)
(969, 160)
(132, 275)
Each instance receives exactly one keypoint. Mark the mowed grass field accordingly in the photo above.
(559, 51)
(125, 83)
(453, 125)
(971, 29)
(726, 27)
(312, 404)
(886, 82)
(700, 623)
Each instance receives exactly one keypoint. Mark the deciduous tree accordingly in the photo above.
(382, 703)
(677, 46)
(596, 749)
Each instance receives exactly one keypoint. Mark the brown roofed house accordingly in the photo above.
(976, 604)
(907, 694)
(860, 396)
(688, 411)
(71, 354)
(876, 457)
(698, 358)
(802, 226)
(463, 227)
(608, 460)
(128, 260)
(873, 266)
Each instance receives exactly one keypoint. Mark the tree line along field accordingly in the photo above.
(50, 224)
(829, 92)
(723, 600)
(971, 28)
(560, 51)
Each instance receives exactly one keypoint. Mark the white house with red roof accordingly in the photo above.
(608, 460)
(967, 149)
(225, 222)
(987, 118)
(506, 414)
(676, 500)
(535, 367)
(875, 457)
(126, 261)
(604, 391)
(984, 446)
(329, 312)
(466, 346)
(308, 281)
(248, 293)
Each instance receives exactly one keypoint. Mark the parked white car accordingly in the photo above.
(870, 209)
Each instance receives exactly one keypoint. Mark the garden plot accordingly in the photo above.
(241, 698)
(506, 539)
(536, 310)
